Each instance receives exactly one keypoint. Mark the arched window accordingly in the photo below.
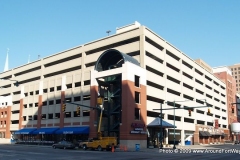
(111, 59)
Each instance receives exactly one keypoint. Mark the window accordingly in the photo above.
(58, 101)
(59, 88)
(68, 114)
(77, 84)
(29, 118)
(52, 89)
(86, 82)
(68, 99)
(137, 97)
(44, 103)
(77, 98)
(57, 115)
(44, 116)
(35, 117)
(50, 116)
(137, 81)
(86, 113)
(137, 114)
(86, 97)
(69, 86)
(51, 102)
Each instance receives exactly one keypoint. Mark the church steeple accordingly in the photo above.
(6, 62)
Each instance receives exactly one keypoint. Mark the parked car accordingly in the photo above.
(64, 145)
(237, 142)
(81, 143)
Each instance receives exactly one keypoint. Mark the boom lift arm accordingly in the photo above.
(100, 104)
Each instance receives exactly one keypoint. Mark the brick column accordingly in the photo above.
(39, 111)
(20, 113)
(93, 113)
(62, 114)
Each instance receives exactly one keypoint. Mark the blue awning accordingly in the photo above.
(73, 130)
(45, 131)
(157, 121)
(25, 131)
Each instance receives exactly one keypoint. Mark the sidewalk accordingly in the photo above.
(171, 147)
(29, 145)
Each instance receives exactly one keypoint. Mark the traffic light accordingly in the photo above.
(63, 107)
(232, 109)
(99, 101)
(78, 111)
(208, 111)
(189, 113)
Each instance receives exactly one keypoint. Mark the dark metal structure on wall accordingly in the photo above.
(110, 88)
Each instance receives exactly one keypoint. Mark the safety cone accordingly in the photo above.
(112, 148)
(125, 148)
(121, 148)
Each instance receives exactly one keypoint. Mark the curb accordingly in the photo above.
(44, 146)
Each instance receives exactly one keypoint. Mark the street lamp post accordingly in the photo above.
(174, 107)
(233, 112)
(237, 136)
(174, 136)
(174, 131)
(160, 117)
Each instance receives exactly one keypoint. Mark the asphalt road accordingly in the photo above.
(24, 152)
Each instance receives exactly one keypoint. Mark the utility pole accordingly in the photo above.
(237, 119)
(174, 107)
(161, 136)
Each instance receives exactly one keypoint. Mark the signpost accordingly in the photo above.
(233, 112)
(138, 128)
(174, 107)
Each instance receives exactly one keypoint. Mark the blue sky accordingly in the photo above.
(206, 29)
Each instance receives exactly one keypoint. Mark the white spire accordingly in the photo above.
(6, 62)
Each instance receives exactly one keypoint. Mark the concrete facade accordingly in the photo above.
(225, 75)
(236, 74)
(170, 76)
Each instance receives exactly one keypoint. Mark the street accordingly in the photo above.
(27, 152)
